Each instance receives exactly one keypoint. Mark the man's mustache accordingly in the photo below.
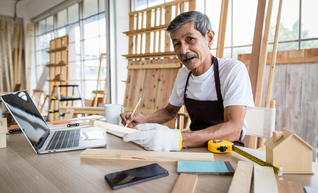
(188, 56)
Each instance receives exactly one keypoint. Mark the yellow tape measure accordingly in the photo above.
(223, 146)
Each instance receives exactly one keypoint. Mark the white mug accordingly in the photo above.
(112, 113)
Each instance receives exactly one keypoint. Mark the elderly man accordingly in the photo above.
(215, 91)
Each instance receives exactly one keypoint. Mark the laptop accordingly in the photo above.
(41, 138)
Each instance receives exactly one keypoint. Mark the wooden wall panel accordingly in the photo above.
(295, 92)
(152, 64)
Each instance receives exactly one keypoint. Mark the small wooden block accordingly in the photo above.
(242, 178)
(3, 140)
(3, 125)
(185, 183)
(264, 180)
(146, 155)
(285, 186)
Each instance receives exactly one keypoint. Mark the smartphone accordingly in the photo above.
(133, 176)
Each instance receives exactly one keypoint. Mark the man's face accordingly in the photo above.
(192, 48)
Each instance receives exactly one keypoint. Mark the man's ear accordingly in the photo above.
(210, 37)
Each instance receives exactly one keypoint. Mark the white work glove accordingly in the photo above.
(156, 137)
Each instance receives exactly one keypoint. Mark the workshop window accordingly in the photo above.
(298, 28)
(84, 22)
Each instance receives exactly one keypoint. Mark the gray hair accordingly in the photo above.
(201, 22)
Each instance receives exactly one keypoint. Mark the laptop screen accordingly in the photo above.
(26, 115)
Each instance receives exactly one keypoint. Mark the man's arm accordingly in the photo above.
(229, 130)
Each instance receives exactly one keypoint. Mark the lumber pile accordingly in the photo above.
(12, 55)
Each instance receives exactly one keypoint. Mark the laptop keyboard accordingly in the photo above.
(64, 139)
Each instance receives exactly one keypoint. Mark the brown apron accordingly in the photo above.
(204, 114)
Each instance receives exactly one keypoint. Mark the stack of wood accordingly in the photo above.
(11, 58)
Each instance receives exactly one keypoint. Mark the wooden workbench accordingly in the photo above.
(21, 170)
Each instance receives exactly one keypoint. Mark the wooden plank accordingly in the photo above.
(155, 66)
(285, 186)
(264, 180)
(16, 42)
(112, 127)
(10, 57)
(186, 183)
(141, 110)
(30, 42)
(274, 54)
(168, 17)
(242, 178)
(150, 88)
(255, 71)
(146, 155)
(1, 83)
(4, 50)
(192, 5)
(222, 28)
(20, 67)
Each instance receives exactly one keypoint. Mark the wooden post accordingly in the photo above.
(222, 28)
(4, 50)
(10, 57)
(15, 61)
(1, 85)
(30, 40)
(19, 68)
(256, 72)
(273, 60)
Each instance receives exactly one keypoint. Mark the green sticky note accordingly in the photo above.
(206, 167)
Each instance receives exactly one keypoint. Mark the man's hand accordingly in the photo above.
(156, 137)
(132, 121)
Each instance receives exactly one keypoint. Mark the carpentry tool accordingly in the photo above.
(223, 146)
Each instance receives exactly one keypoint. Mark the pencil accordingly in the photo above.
(134, 110)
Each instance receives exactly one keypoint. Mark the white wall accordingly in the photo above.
(122, 8)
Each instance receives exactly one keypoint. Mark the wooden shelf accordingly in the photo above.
(55, 65)
(57, 49)
(56, 80)
(151, 55)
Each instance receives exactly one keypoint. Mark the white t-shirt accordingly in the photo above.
(234, 81)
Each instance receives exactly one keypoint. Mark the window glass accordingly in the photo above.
(62, 31)
(102, 24)
(241, 50)
(74, 32)
(91, 27)
(74, 51)
(49, 24)
(102, 42)
(140, 4)
(309, 44)
(91, 48)
(89, 8)
(214, 17)
(41, 26)
(309, 24)
(289, 28)
(73, 14)
(287, 46)
(62, 18)
(244, 16)
(75, 68)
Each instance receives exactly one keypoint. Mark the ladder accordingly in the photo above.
(60, 99)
